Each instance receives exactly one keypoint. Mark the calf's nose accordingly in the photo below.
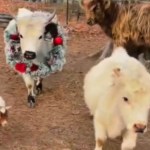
(30, 55)
(140, 128)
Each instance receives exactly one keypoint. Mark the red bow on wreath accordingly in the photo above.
(15, 37)
(21, 67)
(58, 41)
(34, 67)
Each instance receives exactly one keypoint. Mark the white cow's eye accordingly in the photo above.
(40, 37)
(125, 99)
(20, 36)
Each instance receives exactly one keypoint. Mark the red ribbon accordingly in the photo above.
(21, 67)
(34, 67)
(14, 37)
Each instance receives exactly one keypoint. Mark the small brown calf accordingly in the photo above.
(3, 112)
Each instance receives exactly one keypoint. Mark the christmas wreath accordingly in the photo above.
(53, 62)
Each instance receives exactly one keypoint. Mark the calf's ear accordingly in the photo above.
(117, 72)
(116, 77)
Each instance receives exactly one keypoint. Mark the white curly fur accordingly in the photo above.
(105, 87)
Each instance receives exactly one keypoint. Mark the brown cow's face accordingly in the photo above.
(3, 118)
(95, 10)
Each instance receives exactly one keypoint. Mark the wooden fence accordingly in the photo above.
(4, 19)
(72, 9)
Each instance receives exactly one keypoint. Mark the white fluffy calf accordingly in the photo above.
(117, 93)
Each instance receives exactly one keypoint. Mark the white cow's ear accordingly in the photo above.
(8, 107)
(117, 72)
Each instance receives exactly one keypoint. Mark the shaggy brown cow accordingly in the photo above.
(127, 25)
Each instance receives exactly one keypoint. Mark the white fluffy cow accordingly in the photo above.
(117, 93)
(35, 47)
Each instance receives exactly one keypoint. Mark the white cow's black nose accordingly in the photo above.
(30, 55)
(140, 128)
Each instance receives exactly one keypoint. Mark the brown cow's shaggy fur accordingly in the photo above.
(128, 25)
(132, 23)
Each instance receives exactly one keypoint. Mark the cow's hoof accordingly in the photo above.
(31, 101)
(39, 88)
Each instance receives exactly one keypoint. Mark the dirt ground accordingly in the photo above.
(60, 121)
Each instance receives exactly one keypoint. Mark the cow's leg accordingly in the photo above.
(129, 140)
(30, 84)
(100, 134)
(39, 86)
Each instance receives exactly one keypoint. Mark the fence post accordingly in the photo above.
(67, 12)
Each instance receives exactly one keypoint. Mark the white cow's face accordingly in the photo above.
(31, 38)
(31, 30)
(134, 108)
